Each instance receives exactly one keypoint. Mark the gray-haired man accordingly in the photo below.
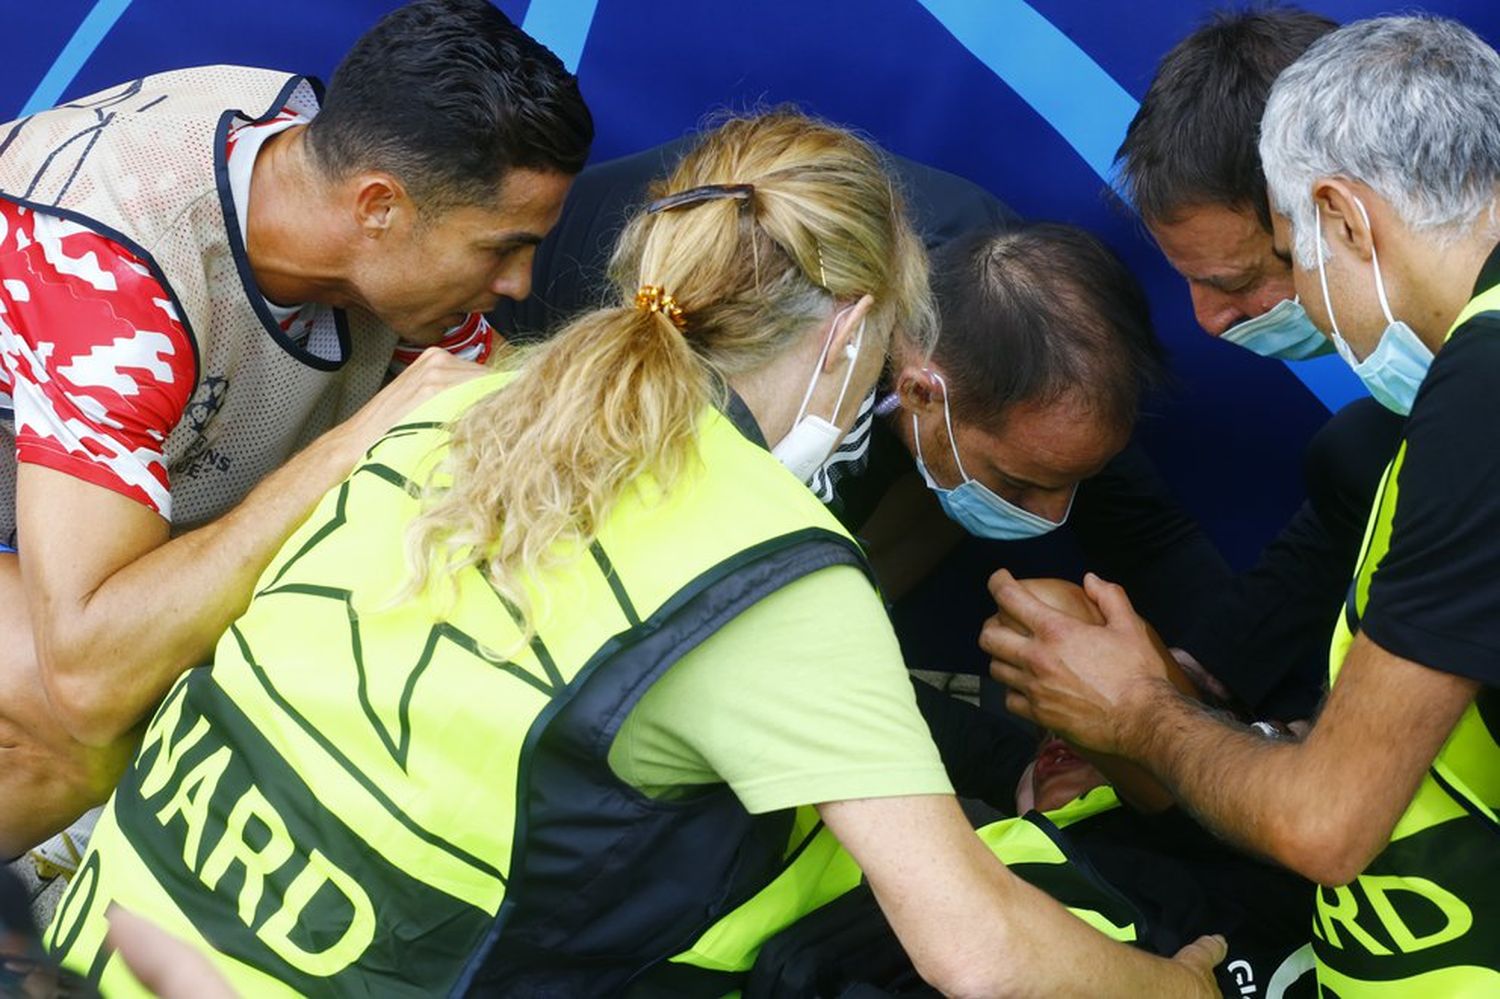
(1381, 149)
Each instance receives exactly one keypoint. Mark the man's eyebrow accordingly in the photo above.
(1225, 282)
(1023, 482)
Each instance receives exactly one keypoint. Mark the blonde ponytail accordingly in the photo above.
(534, 469)
(541, 461)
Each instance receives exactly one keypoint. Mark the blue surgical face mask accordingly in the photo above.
(971, 504)
(1284, 333)
(1395, 368)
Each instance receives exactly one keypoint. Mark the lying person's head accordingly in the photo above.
(1044, 352)
(1056, 774)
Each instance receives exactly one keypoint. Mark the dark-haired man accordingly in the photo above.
(1191, 169)
(201, 273)
(1018, 421)
(1381, 147)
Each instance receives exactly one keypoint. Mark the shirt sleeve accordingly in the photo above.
(1267, 634)
(1435, 596)
(801, 699)
(95, 364)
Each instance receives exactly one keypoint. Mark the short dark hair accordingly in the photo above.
(1194, 139)
(446, 96)
(1035, 312)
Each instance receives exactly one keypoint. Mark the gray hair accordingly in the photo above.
(1408, 105)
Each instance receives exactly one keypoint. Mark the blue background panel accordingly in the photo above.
(1027, 99)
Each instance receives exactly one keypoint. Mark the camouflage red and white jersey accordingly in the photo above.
(95, 366)
(473, 340)
(136, 351)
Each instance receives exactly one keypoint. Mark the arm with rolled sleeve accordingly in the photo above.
(102, 608)
(1266, 637)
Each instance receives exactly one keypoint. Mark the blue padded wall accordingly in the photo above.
(1027, 99)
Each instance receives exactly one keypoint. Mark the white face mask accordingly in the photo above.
(813, 438)
(1395, 368)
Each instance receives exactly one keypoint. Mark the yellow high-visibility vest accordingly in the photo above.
(1424, 918)
(820, 870)
(368, 798)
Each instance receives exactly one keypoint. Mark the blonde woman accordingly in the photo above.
(530, 703)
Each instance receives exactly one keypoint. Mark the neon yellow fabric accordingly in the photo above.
(1018, 841)
(801, 699)
(335, 787)
(1433, 886)
(824, 870)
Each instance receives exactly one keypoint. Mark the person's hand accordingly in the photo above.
(1090, 683)
(1200, 958)
(431, 373)
(165, 965)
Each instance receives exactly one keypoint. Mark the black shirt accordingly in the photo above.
(1266, 636)
(1435, 596)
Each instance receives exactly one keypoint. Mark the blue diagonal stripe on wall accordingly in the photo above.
(1060, 81)
(70, 60)
(1088, 108)
(562, 26)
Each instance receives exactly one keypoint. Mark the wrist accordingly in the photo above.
(1140, 715)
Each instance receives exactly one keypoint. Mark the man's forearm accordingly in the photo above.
(1323, 807)
(163, 612)
(118, 614)
(1244, 787)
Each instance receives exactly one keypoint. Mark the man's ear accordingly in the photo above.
(921, 390)
(379, 199)
(851, 331)
(1343, 223)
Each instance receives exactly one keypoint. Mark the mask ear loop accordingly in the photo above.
(851, 352)
(1375, 259)
(1323, 278)
(818, 371)
(948, 422)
